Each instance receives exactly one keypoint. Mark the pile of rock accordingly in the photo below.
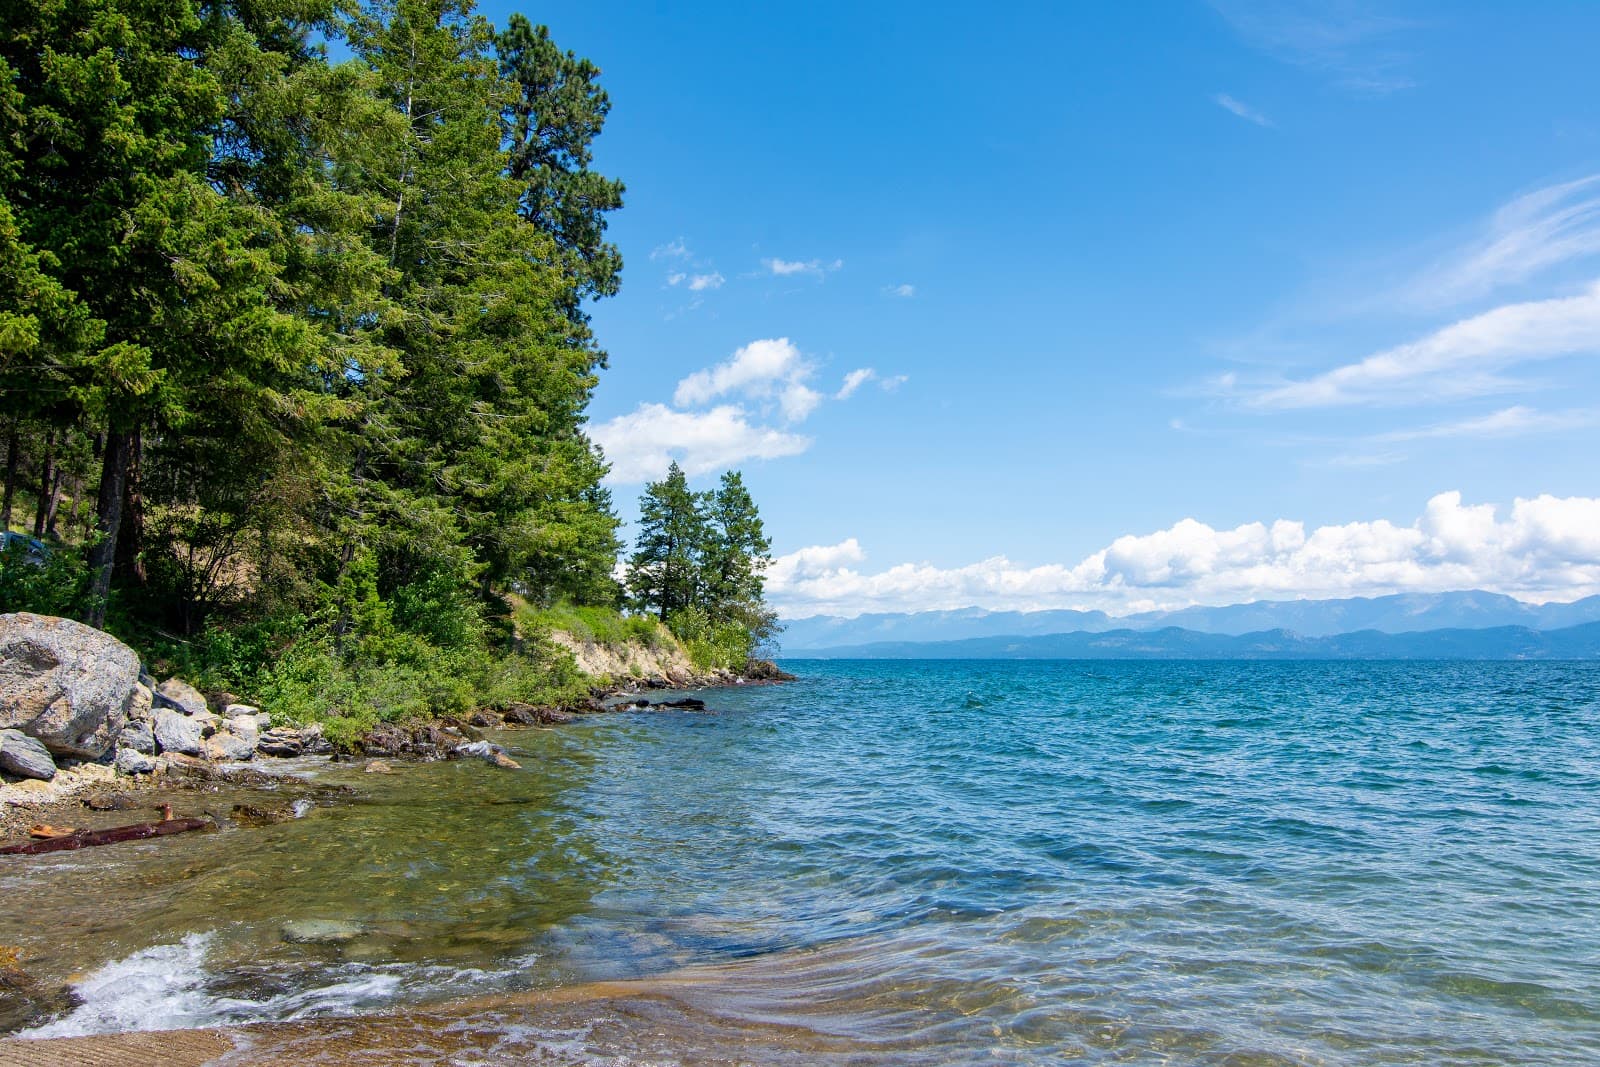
(73, 697)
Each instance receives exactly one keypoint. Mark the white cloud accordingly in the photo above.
(814, 267)
(1545, 548)
(853, 381)
(697, 282)
(1349, 43)
(1514, 421)
(756, 369)
(893, 382)
(1461, 359)
(641, 444)
(671, 250)
(904, 291)
(798, 401)
(1532, 233)
(1243, 110)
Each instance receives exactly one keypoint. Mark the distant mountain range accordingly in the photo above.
(1311, 628)
(1493, 643)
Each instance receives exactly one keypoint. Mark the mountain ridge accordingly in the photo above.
(1581, 642)
(1398, 613)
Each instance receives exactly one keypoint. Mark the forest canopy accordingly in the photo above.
(294, 353)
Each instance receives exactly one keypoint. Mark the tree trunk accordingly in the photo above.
(113, 477)
(13, 448)
(46, 473)
(130, 567)
(50, 530)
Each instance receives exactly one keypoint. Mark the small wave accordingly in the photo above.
(165, 988)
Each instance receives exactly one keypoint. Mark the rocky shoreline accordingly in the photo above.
(82, 725)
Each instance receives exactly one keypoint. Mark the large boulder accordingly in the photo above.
(25, 757)
(70, 686)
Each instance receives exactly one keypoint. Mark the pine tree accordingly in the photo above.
(664, 573)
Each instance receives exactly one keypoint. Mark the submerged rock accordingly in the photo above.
(25, 757)
(67, 685)
(519, 714)
(254, 815)
(321, 931)
(25, 1001)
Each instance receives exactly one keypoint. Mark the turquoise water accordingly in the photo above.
(954, 862)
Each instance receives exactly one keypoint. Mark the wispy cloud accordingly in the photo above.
(1243, 110)
(817, 268)
(696, 282)
(853, 381)
(1542, 548)
(1350, 43)
(905, 292)
(1515, 421)
(1542, 229)
(1463, 359)
(675, 249)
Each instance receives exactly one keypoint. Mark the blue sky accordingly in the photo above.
(1161, 303)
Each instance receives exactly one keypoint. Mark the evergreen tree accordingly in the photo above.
(736, 556)
(664, 573)
(551, 119)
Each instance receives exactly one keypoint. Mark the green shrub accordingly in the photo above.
(55, 585)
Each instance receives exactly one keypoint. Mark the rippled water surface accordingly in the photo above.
(918, 862)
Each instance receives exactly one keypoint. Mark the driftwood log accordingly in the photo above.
(90, 838)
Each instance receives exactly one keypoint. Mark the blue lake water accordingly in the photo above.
(943, 862)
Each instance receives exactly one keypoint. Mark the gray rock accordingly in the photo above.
(144, 698)
(233, 711)
(244, 726)
(139, 736)
(489, 753)
(320, 931)
(227, 745)
(176, 732)
(66, 684)
(25, 756)
(280, 742)
(180, 695)
(131, 761)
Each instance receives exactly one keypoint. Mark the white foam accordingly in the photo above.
(164, 988)
(160, 988)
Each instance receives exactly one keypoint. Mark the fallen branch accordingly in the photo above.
(89, 838)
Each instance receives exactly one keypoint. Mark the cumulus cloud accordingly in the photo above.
(1462, 359)
(761, 380)
(788, 267)
(760, 369)
(1543, 548)
(1243, 110)
(641, 444)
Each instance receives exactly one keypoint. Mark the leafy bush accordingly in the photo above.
(712, 645)
(58, 584)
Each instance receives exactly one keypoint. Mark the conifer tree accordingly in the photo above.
(664, 573)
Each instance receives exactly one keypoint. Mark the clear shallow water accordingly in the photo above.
(921, 862)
